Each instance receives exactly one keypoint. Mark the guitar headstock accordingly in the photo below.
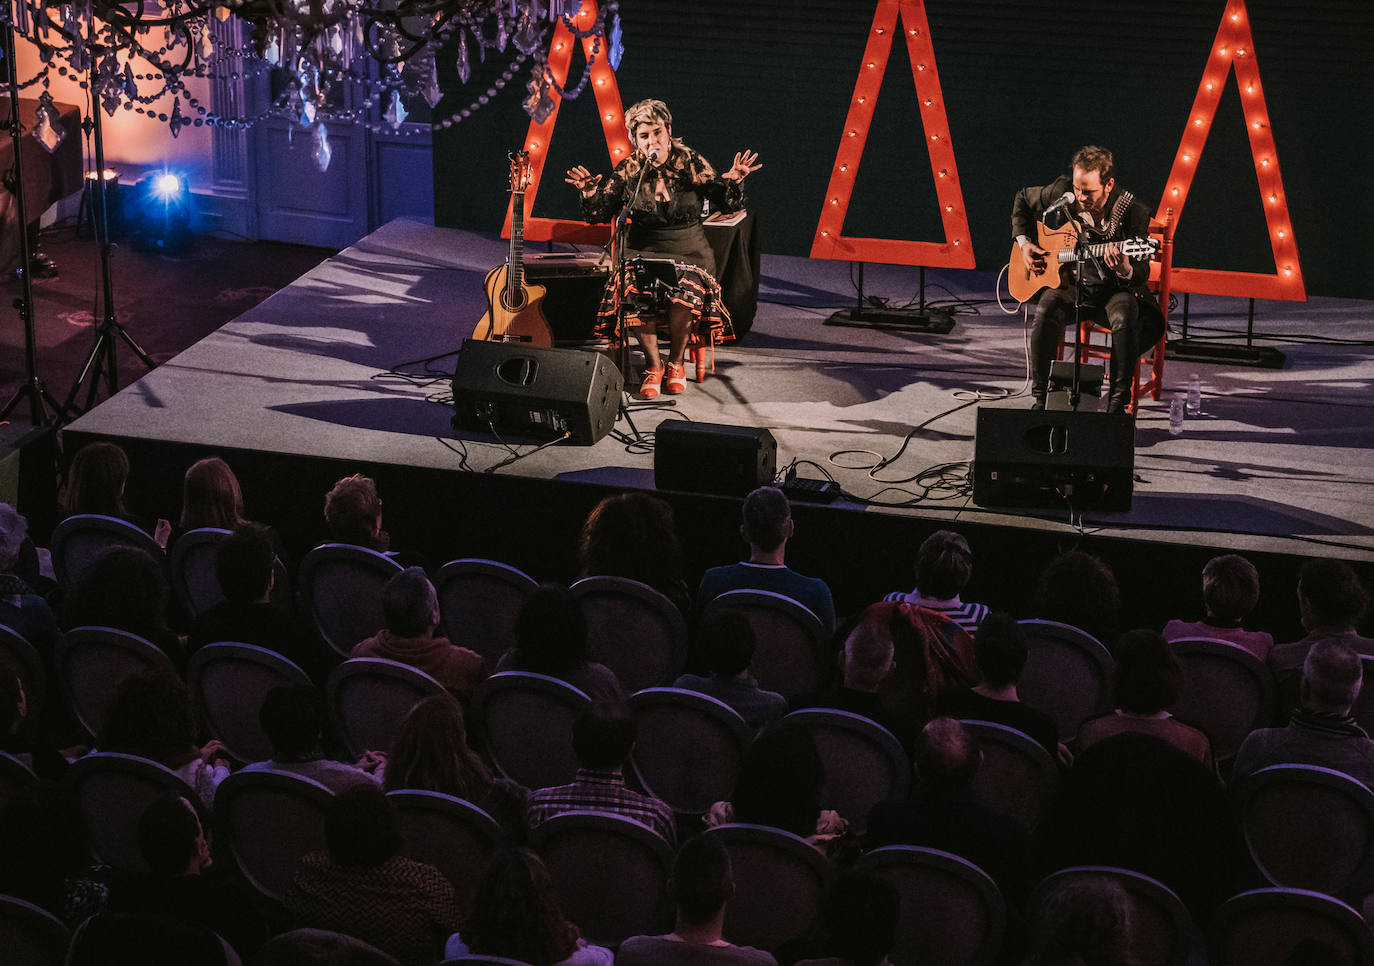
(519, 170)
(1139, 247)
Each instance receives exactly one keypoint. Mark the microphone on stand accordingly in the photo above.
(1066, 199)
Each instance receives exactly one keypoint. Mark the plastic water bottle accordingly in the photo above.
(1194, 395)
(1176, 407)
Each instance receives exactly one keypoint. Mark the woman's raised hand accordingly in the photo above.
(743, 167)
(582, 179)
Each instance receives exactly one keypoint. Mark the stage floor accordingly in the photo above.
(1279, 460)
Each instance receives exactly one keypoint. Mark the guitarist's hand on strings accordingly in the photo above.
(1117, 261)
(1033, 256)
(583, 180)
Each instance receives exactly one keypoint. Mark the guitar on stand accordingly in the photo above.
(514, 310)
(1061, 248)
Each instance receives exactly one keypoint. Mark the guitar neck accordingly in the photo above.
(1093, 251)
(515, 273)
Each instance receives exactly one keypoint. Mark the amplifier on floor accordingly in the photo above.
(713, 458)
(1029, 458)
(573, 282)
(521, 390)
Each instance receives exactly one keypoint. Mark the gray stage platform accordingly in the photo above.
(1279, 461)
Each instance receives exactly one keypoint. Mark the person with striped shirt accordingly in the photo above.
(944, 564)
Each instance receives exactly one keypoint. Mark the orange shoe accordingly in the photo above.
(677, 379)
(648, 389)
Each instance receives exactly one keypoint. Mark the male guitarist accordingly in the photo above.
(1114, 291)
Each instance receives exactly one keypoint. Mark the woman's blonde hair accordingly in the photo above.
(648, 111)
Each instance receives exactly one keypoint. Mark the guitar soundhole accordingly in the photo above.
(512, 304)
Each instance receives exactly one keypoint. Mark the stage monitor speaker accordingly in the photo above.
(713, 458)
(1057, 459)
(512, 389)
(573, 285)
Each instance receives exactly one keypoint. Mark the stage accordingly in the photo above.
(295, 392)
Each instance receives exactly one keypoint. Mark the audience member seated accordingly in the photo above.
(95, 484)
(858, 922)
(1136, 802)
(362, 886)
(150, 716)
(1320, 730)
(431, 754)
(943, 812)
(244, 567)
(126, 589)
(1080, 590)
(410, 606)
(211, 497)
(185, 885)
(1083, 920)
(930, 655)
(726, 644)
(944, 564)
(701, 886)
(603, 737)
(551, 638)
(766, 528)
(27, 739)
(1146, 682)
(353, 514)
(634, 535)
(1230, 591)
(45, 855)
(780, 784)
(515, 915)
(320, 947)
(293, 718)
(1000, 651)
(22, 609)
(1331, 603)
(866, 661)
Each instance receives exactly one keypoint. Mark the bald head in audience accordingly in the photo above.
(947, 755)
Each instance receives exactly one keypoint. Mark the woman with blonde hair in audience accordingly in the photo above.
(431, 753)
(516, 916)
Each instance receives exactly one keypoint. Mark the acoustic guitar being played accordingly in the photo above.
(1059, 246)
(514, 310)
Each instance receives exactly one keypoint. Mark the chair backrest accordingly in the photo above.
(780, 883)
(192, 561)
(1307, 827)
(1068, 674)
(369, 698)
(634, 630)
(112, 790)
(526, 723)
(1162, 932)
(1262, 927)
(78, 540)
(689, 747)
(951, 911)
(15, 777)
(91, 662)
(481, 960)
(342, 588)
(479, 601)
(271, 819)
(451, 834)
(228, 683)
(864, 763)
(792, 654)
(30, 935)
(1017, 775)
(611, 873)
(29, 663)
(1225, 691)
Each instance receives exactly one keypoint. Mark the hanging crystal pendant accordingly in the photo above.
(207, 45)
(539, 105)
(129, 87)
(529, 37)
(177, 121)
(320, 151)
(334, 38)
(502, 31)
(272, 52)
(222, 14)
(616, 49)
(433, 94)
(111, 88)
(464, 65)
(47, 128)
(396, 112)
(306, 114)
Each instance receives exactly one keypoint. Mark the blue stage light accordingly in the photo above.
(160, 218)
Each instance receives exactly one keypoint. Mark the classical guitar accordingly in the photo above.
(1059, 249)
(514, 312)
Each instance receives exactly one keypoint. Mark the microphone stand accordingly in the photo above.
(33, 389)
(103, 352)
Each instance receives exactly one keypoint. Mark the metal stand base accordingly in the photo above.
(909, 320)
(1259, 357)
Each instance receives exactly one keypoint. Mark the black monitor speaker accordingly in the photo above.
(1053, 458)
(713, 458)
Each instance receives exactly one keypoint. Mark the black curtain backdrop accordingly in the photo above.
(1024, 86)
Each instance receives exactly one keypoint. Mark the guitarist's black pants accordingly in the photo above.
(1120, 313)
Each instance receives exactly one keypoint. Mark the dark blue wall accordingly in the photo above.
(1024, 86)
